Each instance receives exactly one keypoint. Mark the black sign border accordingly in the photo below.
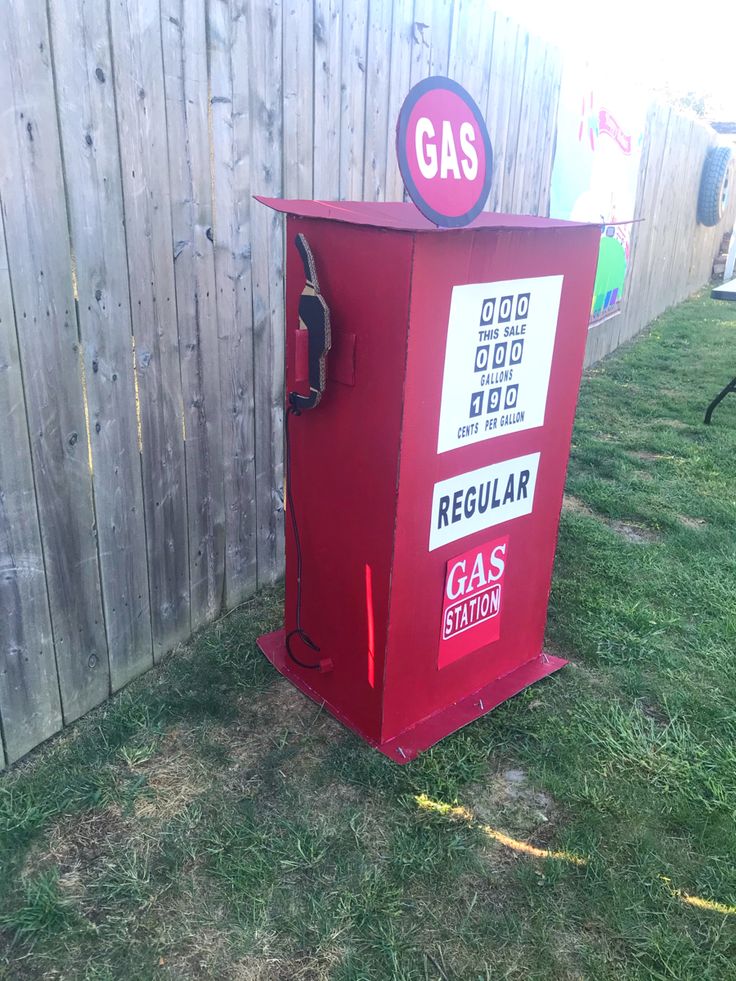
(427, 85)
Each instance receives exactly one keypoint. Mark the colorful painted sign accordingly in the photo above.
(444, 152)
(595, 174)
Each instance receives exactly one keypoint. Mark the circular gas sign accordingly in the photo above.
(444, 152)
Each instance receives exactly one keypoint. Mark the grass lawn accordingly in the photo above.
(210, 822)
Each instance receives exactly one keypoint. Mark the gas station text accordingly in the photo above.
(472, 611)
(473, 599)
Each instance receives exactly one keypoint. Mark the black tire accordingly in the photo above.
(715, 185)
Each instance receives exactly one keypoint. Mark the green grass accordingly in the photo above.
(210, 822)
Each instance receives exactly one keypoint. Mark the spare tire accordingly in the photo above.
(715, 185)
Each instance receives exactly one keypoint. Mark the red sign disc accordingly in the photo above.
(444, 152)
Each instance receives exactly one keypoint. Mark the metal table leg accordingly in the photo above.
(731, 387)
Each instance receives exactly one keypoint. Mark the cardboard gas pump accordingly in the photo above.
(433, 359)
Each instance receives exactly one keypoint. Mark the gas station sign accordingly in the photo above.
(444, 152)
(471, 612)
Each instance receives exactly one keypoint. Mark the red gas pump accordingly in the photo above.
(427, 485)
(424, 492)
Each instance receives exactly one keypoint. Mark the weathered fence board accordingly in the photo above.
(230, 110)
(530, 86)
(499, 100)
(402, 42)
(141, 303)
(547, 136)
(31, 186)
(30, 707)
(187, 118)
(471, 46)
(298, 80)
(139, 87)
(86, 109)
(327, 97)
(352, 102)
(432, 38)
(265, 27)
(514, 149)
(378, 121)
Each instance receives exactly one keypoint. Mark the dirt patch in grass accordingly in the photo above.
(175, 776)
(508, 802)
(594, 680)
(276, 740)
(273, 968)
(648, 456)
(201, 952)
(653, 712)
(697, 524)
(280, 712)
(633, 534)
(76, 842)
(565, 950)
(575, 506)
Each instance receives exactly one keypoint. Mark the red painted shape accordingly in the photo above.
(473, 599)
(371, 627)
(444, 152)
(403, 216)
(340, 362)
(443, 114)
(301, 356)
(365, 464)
(607, 124)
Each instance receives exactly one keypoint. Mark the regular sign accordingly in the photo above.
(444, 152)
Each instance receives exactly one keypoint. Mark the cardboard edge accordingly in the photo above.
(409, 743)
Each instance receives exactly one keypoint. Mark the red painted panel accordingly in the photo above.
(415, 684)
(340, 362)
(450, 718)
(345, 455)
(404, 216)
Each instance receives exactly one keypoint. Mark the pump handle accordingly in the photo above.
(314, 317)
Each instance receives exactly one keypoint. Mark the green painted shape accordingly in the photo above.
(611, 271)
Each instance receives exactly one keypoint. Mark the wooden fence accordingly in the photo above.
(141, 307)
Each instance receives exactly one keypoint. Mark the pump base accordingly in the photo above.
(414, 740)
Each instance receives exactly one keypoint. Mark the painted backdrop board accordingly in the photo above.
(596, 168)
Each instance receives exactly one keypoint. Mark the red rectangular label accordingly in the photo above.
(473, 597)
